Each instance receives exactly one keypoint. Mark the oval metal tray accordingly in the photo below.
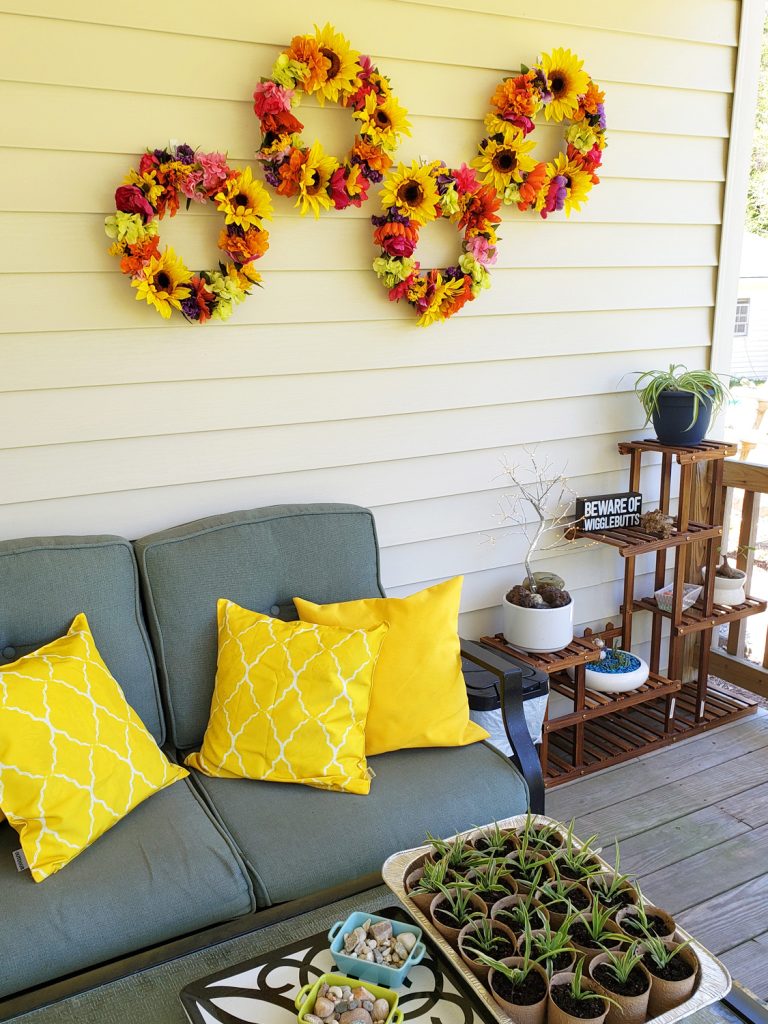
(714, 980)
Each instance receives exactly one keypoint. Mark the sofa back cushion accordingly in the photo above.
(260, 559)
(46, 581)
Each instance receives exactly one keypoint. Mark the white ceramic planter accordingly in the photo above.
(729, 592)
(539, 630)
(617, 682)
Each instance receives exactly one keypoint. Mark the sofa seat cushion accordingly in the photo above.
(297, 840)
(164, 870)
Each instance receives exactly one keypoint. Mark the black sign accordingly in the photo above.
(609, 511)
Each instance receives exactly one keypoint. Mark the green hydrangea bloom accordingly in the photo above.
(129, 227)
(449, 201)
(392, 270)
(582, 137)
(287, 72)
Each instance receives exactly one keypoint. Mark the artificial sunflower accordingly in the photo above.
(244, 201)
(342, 73)
(163, 283)
(314, 178)
(578, 181)
(382, 122)
(412, 191)
(442, 299)
(567, 82)
(504, 161)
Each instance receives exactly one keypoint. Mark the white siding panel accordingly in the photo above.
(112, 420)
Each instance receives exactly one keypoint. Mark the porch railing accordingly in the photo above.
(731, 664)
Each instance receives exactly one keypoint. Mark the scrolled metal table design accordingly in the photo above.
(262, 990)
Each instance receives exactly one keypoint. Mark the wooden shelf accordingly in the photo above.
(632, 541)
(694, 453)
(693, 619)
(578, 652)
(598, 704)
(638, 729)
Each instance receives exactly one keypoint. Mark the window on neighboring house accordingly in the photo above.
(741, 326)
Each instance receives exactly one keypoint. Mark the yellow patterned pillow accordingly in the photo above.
(74, 756)
(290, 702)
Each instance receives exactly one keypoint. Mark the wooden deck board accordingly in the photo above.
(693, 821)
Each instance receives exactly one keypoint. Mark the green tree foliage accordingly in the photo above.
(757, 191)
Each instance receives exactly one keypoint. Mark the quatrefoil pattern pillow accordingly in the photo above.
(75, 758)
(290, 702)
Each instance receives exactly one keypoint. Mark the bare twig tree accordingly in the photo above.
(543, 489)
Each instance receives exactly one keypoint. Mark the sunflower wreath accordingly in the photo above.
(324, 65)
(558, 85)
(161, 278)
(414, 196)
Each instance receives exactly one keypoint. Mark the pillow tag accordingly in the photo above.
(20, 860)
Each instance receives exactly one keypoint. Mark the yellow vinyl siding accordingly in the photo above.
(318, 388)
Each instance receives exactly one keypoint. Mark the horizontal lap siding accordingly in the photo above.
(318, 388)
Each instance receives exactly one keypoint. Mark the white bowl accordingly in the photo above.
(617, 682)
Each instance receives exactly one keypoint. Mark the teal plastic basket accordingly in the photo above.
(378, 974)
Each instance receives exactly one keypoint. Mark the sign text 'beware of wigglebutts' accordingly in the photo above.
(609, 511)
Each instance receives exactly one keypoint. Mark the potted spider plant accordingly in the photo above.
(495, 841)
(642, 919)
(680, 402)
(452, 908)
(491, 882)
(519, 984)
(626, 977)
(574, 998)
(673, 969)
(562, 898)
(458, 853)
(491, 938)
(591, 933)
(540, 835)
(577, 862)
(423, 884)
(519, 911)
(553, 947)
(613, 889)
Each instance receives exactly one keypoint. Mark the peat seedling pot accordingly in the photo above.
(660, 923)
(442, 919)
(679, 983)
(632, 998)
(562, 1008)
(502, 911)
(584, 944)
(578, 897)
(526, 1004)
(501, 952)
(563, 961)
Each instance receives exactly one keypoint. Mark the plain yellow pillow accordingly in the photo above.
(75, 758)
(290, 702)
(419, 696)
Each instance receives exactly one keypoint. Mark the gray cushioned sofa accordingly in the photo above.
(206, 851)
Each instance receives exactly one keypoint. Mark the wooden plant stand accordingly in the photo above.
(603, 729)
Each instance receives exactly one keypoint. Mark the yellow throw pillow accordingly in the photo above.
(419, 697)
(290, 702)
(75, 758)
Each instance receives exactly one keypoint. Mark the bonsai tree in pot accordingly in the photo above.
(538, 613)
(680, 404)
(729, 584)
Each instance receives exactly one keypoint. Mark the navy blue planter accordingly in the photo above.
(674, 415)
